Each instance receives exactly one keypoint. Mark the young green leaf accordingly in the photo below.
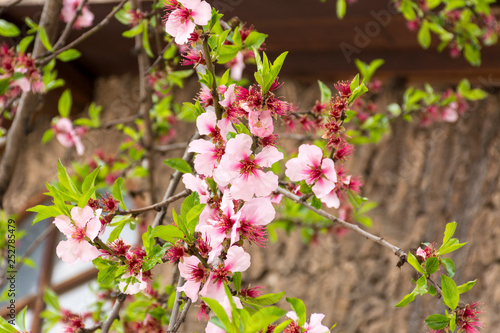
(21, 319)
(326, 93)
(168, 233)
(449, 231)
(437, 322)
(299, 308)
(50, 298)
(69, 55)
(414, 262)
(44, 39)
(64, 105)
(424, 35)
(8, 29)
(179, 164)
(65, 179)
(219, 312)
(117, 192)
(407, 299)
(450, 292)
(431, 265)
(263, 318)
(466, 287)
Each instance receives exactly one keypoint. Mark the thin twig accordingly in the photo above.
(114, 313)
(156, 206)
(69, 26)
(211, 69)
(115, 122)
(160, 56)
(84, 36)
(379, 240)
(182, 316)
(177, 304)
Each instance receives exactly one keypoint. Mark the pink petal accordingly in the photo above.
(229, 96)
(239, 146)
(225, 127)
(63, 223)
(323, 187)
(310, 154)
(87, 252)
(331, 200)
(268, 156)
(237, 67)
(93, 228)
(296, 169)
(81, 215)
(191, 289)
(66, 250)
(237, 259)
(261, 123)
(328, 169)
(258, 211)
(315, 325)
(206, 122)
(202, 13)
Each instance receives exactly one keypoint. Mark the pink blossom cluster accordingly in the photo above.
(73, 322)
(67, 135)
(448, 108)
(21, 71)
(69, 10)
(183, 16)
(313, 326)
(109, 161)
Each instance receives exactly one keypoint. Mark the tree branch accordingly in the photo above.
(114, 313)
(379, 240)
(27, 105)
(177, 304)
(84, 36)
(156, 206)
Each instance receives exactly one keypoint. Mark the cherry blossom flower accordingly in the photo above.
(68, 12)
(67, 135)
(314, 325)
(183, 20)
(85, 226)
(196, 184)
(195, 274)
(243, 170)
(311, 166)
(251, 219)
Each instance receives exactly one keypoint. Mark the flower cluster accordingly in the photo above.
(69, 10)
(20, 71)
(183, 16)
(67, 135)
(448, 108)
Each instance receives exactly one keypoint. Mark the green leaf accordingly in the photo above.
(89, 180)
(219, 312)
(179, 164)
(24, 43)
(437, 322)
(414, 262)
(134, 31)
(424, 35)
(168, 233)
(394, 109)
(263, 318)
(282, 326)
(431, 265)
(64, 105)
(69, 55)
(188, 203)
(472, 54)
(227, 53)
(8, 29)
(341, 8)
(117, 192)
(21, 319)
(116, 231)
(449, 231)
(326, 93)
(192, 217)
(65, 179)
(451, 296)
(48, 135)
(237, 281)
(407, 299)
(255, 39)
(299, 308)
(45, 39)
(145, 40)
(107, 275)
(268, 299)
(84, 199)
(466, 287)
(50, 298)
(449, 265)
(6, 327)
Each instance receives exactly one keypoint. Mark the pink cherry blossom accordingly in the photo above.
(195, 273)
(251, 218)
(85, 226)
(183, 20)
(243, 170)
(68, 12)
(208, 156)
(207, 124)
(195, 184)
(311, 166)
(67, 135)
(314, 325)
(261, 123)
